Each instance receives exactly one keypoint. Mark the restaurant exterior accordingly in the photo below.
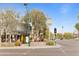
(16, 37)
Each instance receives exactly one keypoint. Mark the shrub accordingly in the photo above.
(51, 43)
(68, 35)
(59, 35)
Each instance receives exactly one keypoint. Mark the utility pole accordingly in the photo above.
(62, 33)
(29, 27)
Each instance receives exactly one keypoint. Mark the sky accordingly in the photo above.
(61, 14)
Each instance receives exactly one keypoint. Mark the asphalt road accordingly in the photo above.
(69, 48)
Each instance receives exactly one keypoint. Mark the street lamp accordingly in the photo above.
(29, 27)
(62, 32)
(49, 22)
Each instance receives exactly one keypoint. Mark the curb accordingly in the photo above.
(57, 46)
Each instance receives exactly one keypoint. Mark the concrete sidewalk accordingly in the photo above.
(26, 47)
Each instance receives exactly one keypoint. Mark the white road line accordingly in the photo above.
(14, 53)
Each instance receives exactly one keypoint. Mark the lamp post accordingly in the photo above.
(29, 27)
(49, 22)
(62, 33)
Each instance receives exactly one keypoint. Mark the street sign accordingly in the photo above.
(27, 39)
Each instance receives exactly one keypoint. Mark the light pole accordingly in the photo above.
(49, 22)
(62, 33)
(29, 27)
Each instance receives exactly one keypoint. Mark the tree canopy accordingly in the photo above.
(77, 26)
(8, 20)
(38, 20)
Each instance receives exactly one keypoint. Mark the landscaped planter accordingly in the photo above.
(5, 44)
(51, 43)
(37, 44)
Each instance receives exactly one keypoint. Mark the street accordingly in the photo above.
(68, 48)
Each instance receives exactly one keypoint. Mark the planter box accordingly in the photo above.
(38, 44)
(7, 44)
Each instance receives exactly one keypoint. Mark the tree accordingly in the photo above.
(59, 35)
(38, 20)
(8, 21)
(77, 27)
(68, 35)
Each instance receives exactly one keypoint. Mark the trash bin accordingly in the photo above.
(17, 42)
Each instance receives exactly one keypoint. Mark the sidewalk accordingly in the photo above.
(26, 47)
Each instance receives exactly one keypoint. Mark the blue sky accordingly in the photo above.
(61, 14)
